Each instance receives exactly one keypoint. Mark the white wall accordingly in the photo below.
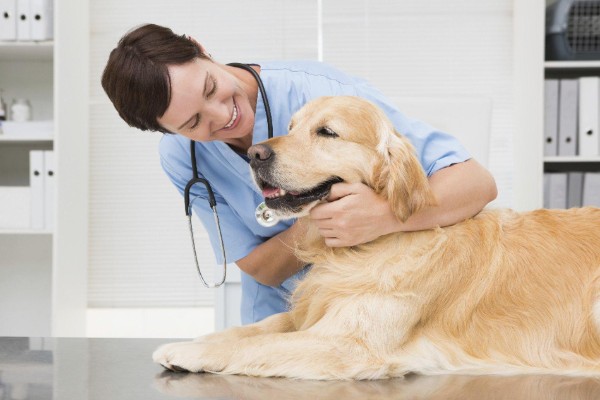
(140, 254)
(446, 49)
(139, 247)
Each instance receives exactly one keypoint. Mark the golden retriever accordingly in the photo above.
(500, 293)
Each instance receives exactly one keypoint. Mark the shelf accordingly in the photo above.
(10, 231)
(572, 159)
(570, 164)
(26, 51)
(26, 139)
(570, 65)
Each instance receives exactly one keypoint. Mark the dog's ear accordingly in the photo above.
(400, 179)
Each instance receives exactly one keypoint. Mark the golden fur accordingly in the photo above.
(503, 292)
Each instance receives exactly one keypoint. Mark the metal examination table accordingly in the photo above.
(81, 369)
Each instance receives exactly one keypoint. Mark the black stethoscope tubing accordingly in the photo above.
(211, 196)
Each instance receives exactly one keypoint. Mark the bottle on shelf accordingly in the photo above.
(20, 110)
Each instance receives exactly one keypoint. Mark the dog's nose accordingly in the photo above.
(260, 152)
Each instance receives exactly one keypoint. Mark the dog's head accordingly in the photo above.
(338, 139)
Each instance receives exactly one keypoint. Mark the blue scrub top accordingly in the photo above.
(289, 85)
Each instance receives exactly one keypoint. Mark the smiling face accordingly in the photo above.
(334, 139)
(209, 102)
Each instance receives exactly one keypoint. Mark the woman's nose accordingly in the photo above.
(218, 115)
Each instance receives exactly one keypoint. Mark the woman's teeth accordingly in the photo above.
(233, 117)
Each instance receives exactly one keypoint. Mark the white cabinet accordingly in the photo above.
(43, 269)
(26, 71)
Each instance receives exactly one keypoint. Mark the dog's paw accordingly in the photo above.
(181, 357)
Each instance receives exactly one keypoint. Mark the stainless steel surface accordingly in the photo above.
(73, 368)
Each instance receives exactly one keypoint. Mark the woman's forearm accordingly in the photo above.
(273, 261)
(461, 191)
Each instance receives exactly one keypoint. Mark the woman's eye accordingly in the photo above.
(325, 131)
(196, 121)
(214, 88)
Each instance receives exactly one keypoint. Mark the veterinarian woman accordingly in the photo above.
(160, 81)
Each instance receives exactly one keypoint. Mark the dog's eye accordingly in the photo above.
(325, 131)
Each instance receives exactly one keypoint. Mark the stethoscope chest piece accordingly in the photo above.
(264, 216)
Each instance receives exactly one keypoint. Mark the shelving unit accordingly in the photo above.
(27, 71)
(564, 166)
(43, 272)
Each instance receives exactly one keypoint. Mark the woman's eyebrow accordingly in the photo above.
(203, 94)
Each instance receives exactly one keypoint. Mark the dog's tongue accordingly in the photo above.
(269, 191)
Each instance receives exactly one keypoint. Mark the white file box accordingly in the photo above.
(36, 182)
(42, 26)
(8, 20)
(49, 192)
(14, 207)
(23, 20)
(589, 116)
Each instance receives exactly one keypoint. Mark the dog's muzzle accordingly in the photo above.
(283, 199)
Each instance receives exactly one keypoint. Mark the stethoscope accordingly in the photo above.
(264, 216)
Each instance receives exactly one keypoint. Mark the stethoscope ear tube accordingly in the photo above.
(266, 217)
(195, 179)
(213, 206)
(210, 285)
(263, 94)
(188, 187)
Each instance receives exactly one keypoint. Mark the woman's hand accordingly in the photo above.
(354, 214)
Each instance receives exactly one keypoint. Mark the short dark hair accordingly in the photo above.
(136, 78)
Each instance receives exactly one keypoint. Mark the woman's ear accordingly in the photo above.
(400, 179)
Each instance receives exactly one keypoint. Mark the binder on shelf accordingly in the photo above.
(591, 189)
(567, 114)
(555, 190)
(8, 19)
(589, 113)
(42, 26)
(551, 95)
(24, 20)
(49, 189)
(574, 189)
(36, 183)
